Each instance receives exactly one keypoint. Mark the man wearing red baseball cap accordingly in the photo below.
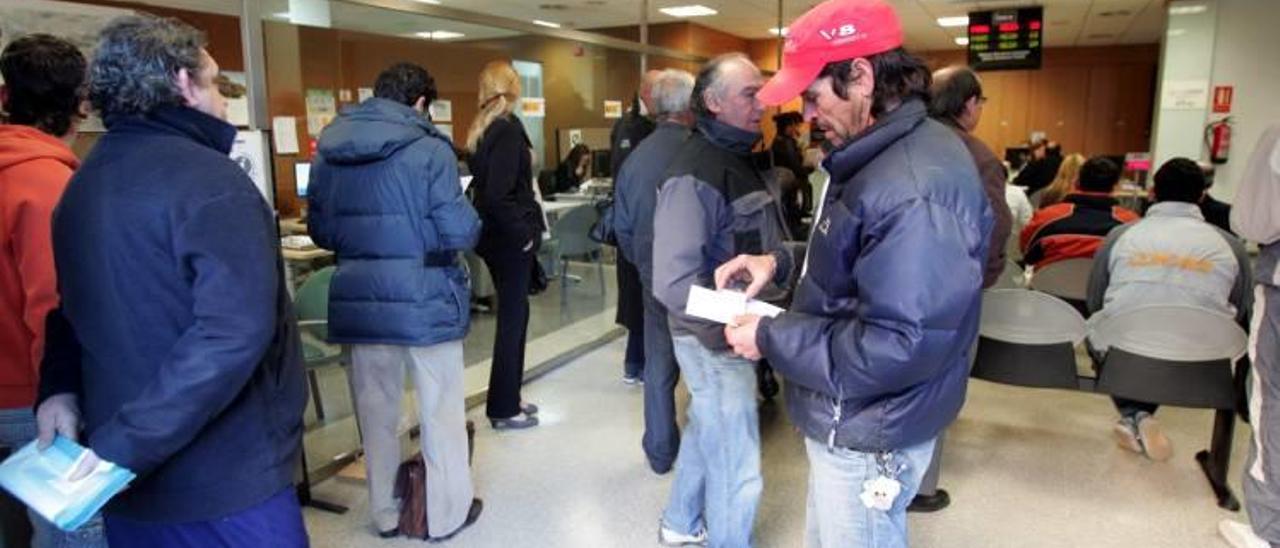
(875, 345)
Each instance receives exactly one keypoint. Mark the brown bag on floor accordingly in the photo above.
(411, 489)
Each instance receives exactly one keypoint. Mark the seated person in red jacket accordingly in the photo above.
(1075, 227)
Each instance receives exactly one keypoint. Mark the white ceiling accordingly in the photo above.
(1067, 22)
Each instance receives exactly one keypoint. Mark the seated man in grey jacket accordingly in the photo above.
(1170, 257)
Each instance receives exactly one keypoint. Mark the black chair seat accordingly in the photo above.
(1031, 365)
(1200, 384)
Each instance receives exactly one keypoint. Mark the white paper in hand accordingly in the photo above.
(724, 305)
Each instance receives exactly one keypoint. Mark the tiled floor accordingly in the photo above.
(555, 326)
(1025, 468)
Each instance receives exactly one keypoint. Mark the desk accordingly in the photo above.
(304, 255)
(289, 227)
(572, 197)
(559, 207)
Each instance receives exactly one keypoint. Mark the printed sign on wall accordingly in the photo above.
(612, 109)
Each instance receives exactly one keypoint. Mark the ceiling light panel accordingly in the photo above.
(696, 10)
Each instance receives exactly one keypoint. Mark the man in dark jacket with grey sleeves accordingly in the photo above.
(712, 206)
(875, 345)
(385, 196)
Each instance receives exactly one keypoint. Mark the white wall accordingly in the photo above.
(1186, 57)
(1248, 40)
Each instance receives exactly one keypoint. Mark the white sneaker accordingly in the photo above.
(1240, 535)
(667, 537)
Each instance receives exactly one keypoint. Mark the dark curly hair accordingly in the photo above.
(135, 66)
(404, 83)
(45, 77)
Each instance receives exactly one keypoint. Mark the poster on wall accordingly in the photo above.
(322, 108)
(249, 151)
(446, 129)
(285, 131)
(533, 107)
(612, 109)
(575, 137)
(1184, 95)
(364, 93)
(238, 108)
(344, 95)
(441, 110)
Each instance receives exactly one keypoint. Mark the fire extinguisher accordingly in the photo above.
(1217, 136)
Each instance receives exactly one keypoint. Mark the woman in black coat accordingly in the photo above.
(575, 169)
(501, 162)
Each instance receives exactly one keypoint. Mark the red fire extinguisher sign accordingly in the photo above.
(1222, 96)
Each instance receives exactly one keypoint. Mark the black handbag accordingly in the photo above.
(537, 277)
(603, 231)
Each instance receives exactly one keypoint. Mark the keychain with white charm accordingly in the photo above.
(879, 493)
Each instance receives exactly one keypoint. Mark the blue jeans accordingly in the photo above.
(18, 428)
(835, 516)
(661, 439)
(275, 522)
(718, 483)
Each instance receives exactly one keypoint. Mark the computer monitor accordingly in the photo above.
(302, 177)
(601, 163)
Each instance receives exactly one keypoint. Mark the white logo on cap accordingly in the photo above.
(843, 31)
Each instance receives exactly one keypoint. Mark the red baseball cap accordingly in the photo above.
(834, 30)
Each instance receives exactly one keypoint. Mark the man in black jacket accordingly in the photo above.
(175, 336)
(635, 198)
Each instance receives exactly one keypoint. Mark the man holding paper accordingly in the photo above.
(712, 206)
(174, 347)
(875, 345)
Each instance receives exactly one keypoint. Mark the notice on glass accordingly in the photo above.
(1184, 95)
(533, 107)
(446, 129)
(441, 110)
(285, 131)
(364, 93)
(612, 109)
(249, 152)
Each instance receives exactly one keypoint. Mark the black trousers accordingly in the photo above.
(511, 270)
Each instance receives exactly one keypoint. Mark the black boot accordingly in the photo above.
(930, 503)
(765, 381)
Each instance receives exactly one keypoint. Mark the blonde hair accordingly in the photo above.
(499, 90)
(1064, 183)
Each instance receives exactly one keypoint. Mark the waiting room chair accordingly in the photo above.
(1028, 338)
(311, 305)
(570, 237)
(1180, 356)
(1068, 279)
(1013, 277)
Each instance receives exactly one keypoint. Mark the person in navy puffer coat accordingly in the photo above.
(385, 196)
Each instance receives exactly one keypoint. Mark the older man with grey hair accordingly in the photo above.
(174, 353)
(711, 206)
(635, 197)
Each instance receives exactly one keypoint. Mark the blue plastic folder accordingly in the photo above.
(38, 478)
